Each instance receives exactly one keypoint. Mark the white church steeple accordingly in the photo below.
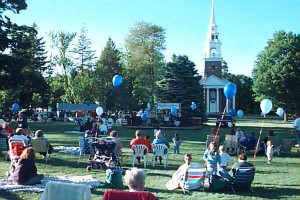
(213, 43)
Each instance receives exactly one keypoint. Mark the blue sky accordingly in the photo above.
(245, 26)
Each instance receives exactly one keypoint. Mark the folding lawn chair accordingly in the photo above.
(286, 146)
(212, 138)
(4, 147)
(194, 177)
(231, 143)
(242, 179)
(40, 146)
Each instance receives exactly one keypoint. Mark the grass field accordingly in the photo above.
(280, 180)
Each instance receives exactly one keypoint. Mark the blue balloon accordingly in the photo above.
(232, 112)
(15, 107)
(174, 111)
(194, 106)
(229, 90)
(144, 117)
(240, 114)
(117, 80)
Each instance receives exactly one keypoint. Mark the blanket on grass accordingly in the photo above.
(86, 180)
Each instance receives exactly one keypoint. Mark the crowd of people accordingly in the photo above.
(216, 159)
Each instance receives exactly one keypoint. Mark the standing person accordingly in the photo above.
(225, 157)
(88, 125)
(296, 131)
(177, 142)
(212, 158)
(24, 172)
(155, 130)
(270, 151)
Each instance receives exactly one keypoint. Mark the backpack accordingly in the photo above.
(217, 184)
(114, 178)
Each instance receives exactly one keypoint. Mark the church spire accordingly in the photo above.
(212, 14)
(213, 43)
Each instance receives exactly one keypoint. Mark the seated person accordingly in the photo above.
(20, 135)
(114, 135)
(88, 125)
(213, 132)
(242, 162)
(24, 172)
(174, 183)
(251, 141)
(3, 135)
(159, 139)
(139, 140)
(7, 129)
(38, 135)
(135, 179)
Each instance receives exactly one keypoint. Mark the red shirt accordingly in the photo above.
(143, 141)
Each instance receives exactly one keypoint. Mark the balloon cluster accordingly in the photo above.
(193, 106)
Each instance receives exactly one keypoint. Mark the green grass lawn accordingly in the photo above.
(280, 180)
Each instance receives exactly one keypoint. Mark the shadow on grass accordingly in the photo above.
(9, 195)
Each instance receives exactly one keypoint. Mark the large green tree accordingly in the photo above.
(7, 63)
(144, 45)
(62, 41)
(180, 84)
(276, 74)
(107, 67)
(245, 96)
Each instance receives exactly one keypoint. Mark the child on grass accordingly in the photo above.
(270, 151)
(177, 142)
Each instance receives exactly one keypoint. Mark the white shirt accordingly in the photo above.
(225, 159)
(297, 124)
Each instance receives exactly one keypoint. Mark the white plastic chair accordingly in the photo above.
(139, 151)
(160, 150)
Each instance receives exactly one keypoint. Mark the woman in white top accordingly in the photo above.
(225, 157)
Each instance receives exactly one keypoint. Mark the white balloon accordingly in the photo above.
(229, 124)
(266, 106)
(279, 111)
(99, 111)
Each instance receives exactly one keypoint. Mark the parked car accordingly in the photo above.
(227, 121)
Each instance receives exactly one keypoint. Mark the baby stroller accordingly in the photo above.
(105, 154)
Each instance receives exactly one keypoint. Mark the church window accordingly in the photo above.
(212, 94)
(216, 37)
(213, 52)
(212, 37)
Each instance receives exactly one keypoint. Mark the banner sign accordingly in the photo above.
(169, 106)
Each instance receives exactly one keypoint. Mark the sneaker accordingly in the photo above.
(269, 162)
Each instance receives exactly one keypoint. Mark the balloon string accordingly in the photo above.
(260, 132)
(112, 90)
(219, 126)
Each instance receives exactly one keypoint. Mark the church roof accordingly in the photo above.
(214, 82)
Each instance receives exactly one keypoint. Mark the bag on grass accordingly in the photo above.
(114, 178)
(217, 184)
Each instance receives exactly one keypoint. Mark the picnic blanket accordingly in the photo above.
(86, 180)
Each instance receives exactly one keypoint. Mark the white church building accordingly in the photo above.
(212, 81)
